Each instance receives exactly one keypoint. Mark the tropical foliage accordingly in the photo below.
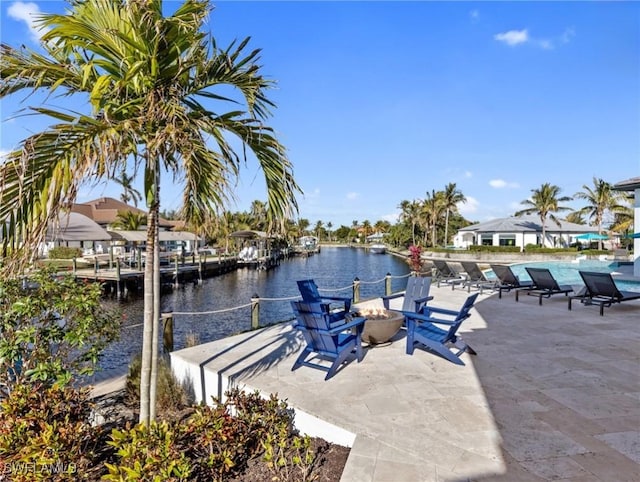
(601, 199)
(545, 202)
(151, 81)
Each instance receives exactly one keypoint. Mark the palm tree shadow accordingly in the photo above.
(282, 342)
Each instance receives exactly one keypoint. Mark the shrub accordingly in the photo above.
(415, 258)
(45, 434)
(494, 249)
(534, 248)
(53, 329)
(171, 395)
(149, 452)
(65, 252)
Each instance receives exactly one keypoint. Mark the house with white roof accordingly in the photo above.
(520, 231)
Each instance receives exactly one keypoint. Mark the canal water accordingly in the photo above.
(208, 311)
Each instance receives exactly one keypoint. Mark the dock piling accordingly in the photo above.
(356, 290)
(255, 311)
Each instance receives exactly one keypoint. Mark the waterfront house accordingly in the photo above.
(520, 231)
(104, 211)
(76, 231)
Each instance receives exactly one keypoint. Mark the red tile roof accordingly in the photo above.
(105, 210)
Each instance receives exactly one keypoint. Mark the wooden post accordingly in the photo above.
(75, 265)
(356, 290)
(167, 331)
(110, 257)
(255, 311)
(118, 293)
(387, 284)
(200, 269)
(95, 266)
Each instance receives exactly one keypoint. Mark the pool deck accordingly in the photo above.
(552, 394)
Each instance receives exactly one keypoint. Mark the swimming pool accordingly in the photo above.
(567, 273)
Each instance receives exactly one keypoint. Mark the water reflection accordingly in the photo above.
(333, 268)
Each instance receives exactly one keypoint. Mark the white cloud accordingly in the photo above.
(475, 15)
(468, 174)
(545, 44)
(353, 195)
(501, 183)
(517, 37)
(392, 218)
(3, 154)
(27, 13)
(513, 37)
(567, 35)
(470, 207)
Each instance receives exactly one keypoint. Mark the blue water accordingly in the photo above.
(567, 273)
(334, 270)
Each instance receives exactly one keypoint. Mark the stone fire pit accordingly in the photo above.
(381, 324)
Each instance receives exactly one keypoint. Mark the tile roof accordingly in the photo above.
(104, 211)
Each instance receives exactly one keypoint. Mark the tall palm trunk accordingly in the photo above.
(149, 361)
(148, 324)
(446, 228)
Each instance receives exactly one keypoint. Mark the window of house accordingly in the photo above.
(507, 239)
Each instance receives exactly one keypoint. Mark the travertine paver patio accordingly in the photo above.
(552, 395)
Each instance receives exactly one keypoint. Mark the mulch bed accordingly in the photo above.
(328, 466)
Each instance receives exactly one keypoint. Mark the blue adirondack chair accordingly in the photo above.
(415, 296)
(310, 294)
(325, 340)
(422, 329)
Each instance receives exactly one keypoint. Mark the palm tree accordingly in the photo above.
(544, 202)
(150, 81)
(575, 217)
(129, 220)
(129, 193)
(600, 200)
(329, 226)
(450, 199)
(410, 213)
(431, 212)
(366, 228)
(318, 229)
(259, 215)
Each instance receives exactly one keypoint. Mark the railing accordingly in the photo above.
(168, 318)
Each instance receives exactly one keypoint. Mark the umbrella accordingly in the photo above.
(591, 237)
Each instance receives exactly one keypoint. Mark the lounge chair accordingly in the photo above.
(446, 274)
(336, 343)
(310, 294)
(475, 277)
(601, 289)
(508, 281)
(422, 329)
(414, 297)
(545, 285)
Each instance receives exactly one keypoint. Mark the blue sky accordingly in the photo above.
(380, 102)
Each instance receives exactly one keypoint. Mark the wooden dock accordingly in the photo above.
(119, 279)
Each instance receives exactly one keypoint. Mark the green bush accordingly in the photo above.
(478, 248)
(171, 395)
(65, 252)
(534, 248)
(45, 434)
(149, 452)
(53, 328)
(215, 443)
